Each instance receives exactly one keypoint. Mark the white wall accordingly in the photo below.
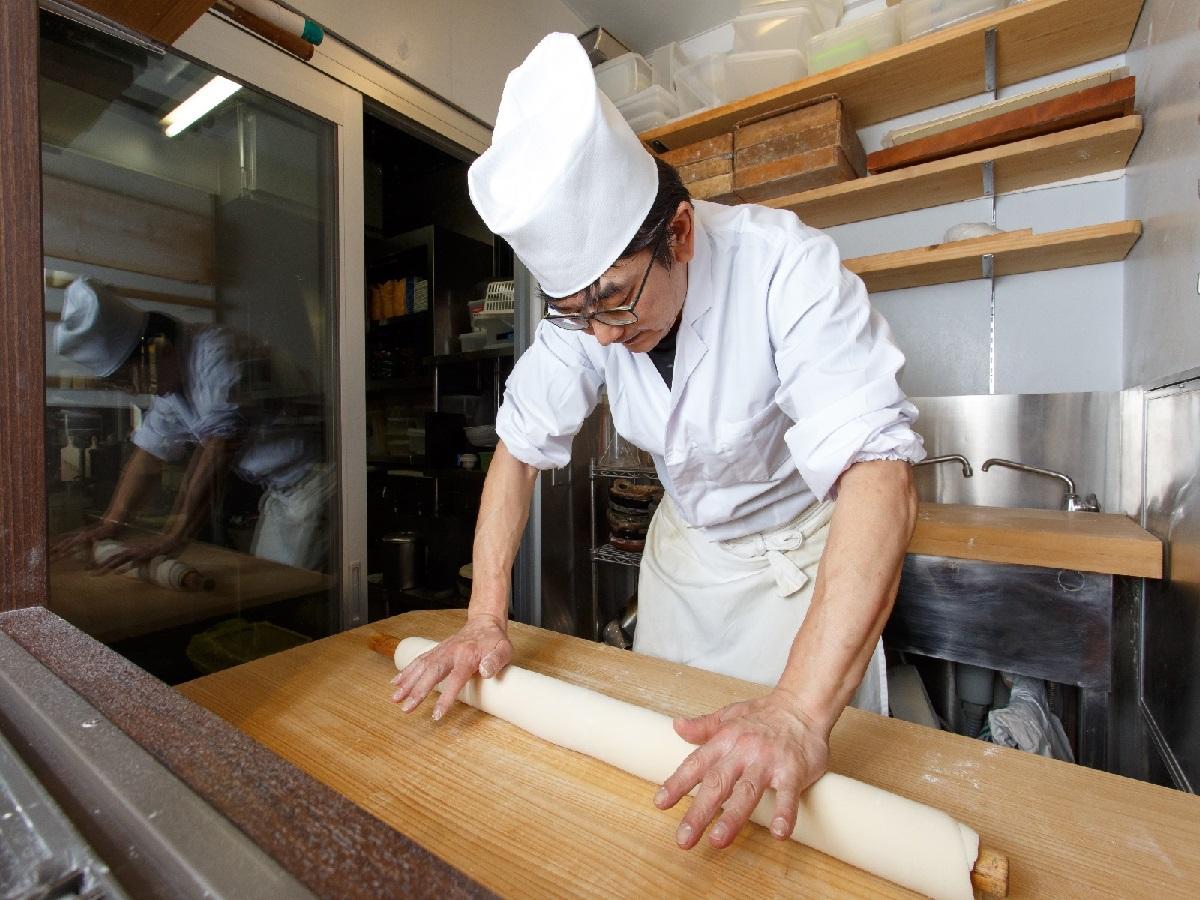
(460, 50)
(1162, 274)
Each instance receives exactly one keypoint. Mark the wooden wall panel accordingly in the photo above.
(22, 398)
(163, 20)
(88, 224)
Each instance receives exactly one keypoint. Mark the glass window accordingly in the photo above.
(190, 307)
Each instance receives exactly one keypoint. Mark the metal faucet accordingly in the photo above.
(1071, 500)
(950, 457)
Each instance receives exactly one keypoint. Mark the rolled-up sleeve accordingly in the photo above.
(552, 389)
(162, 435)
(219, 363)
(838, 368)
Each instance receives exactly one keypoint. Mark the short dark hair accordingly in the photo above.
(671, 192)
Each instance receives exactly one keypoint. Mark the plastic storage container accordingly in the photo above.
(788, 29)
(918, 17)
(649, 108)
(853, 41)
(752, 73)
(829, 12)
(624, 76)
(701, 84)
(664, 63)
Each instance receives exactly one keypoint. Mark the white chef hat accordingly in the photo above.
(98, 329)
(566, 181)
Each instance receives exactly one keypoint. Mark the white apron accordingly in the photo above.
(735, 606)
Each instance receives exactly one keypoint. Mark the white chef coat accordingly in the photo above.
(232, 388)
(235, 389)
(784, 377)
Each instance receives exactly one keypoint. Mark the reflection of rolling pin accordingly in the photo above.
(165, 571)
(909, 843)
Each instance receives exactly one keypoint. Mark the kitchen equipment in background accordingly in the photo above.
(649, 108)
(706, 167)
(483, 436)
(664, 63)
(921, 17)
(786, 29)
(799, 148)
(967, 231)
(403, 560)
(828, 12)
(701, 83)
(1071, 500)
(601, 46)
(466, 576)
(619, 632)
(1099, 103)
(624, 76)
(853, 41)
(755, 71)
(493, 318)
(468, 461)
(631, 506)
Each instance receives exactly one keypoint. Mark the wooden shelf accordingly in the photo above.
(1012, 254)
(1034, 38)
(1078, 152)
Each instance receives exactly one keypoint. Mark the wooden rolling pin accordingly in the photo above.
(989, 875)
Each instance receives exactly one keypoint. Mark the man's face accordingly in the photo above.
(661, 299)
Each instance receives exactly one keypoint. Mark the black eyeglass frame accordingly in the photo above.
(580, 322)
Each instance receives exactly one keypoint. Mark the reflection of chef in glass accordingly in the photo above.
(217, 391)
(738, 351)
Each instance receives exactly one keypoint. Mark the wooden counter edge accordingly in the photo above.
(1058, 543)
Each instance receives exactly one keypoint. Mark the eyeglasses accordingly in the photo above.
(617, 316)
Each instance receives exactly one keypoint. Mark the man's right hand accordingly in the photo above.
(72, 541)
(481, 647)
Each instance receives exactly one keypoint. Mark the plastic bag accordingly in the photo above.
(1027, 723)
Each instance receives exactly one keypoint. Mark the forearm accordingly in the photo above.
(503, 512)
(856, 587)
(136, 478)
(191, 504)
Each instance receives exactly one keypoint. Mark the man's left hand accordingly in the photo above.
(745, 749)
(136, 552)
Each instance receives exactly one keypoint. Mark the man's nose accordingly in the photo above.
(607, 334)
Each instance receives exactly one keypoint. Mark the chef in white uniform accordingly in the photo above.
(780, 397)
(223, 401)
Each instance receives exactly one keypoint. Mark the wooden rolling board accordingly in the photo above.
(114, 607)
(1090, 542)
(528, 819)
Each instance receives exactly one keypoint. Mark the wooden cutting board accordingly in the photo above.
(528, 819)
(114, 607)
(1095, 104)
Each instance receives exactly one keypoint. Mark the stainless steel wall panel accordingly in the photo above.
(1078, 434)
(1171, 619)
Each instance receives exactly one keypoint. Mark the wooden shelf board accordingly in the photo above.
(1078, 152)
(1013, 254)
(1033, 38)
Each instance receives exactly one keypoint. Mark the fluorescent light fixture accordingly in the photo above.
(207, 98)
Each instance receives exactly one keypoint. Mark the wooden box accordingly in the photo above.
(706, 168)
(795, 149)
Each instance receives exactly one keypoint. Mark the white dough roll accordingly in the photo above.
(913, 845)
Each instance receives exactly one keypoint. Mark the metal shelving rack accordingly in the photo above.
(607, 553)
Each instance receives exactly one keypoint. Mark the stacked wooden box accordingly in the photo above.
(772, 155)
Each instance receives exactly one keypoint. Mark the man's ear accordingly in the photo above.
(683, 232)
